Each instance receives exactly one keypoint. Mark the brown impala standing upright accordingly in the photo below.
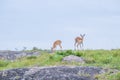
(55, 44)
(79, 41)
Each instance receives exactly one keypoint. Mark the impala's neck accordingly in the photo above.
(82, 38)
(52, 48)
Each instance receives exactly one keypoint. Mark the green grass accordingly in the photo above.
(114, 77)
(108, 76)
(45, 59)
(99, 58)
(102, 58)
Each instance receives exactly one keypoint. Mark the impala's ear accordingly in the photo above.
(83, 35)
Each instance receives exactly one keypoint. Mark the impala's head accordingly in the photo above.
(82, 36)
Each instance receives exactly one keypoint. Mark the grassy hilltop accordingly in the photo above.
(98, 58)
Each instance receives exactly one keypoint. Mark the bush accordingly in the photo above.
(31, 57)
(78, 53)
(60, 53)
(51, 57)
(114, 77)
(89, 60)
(56, 57)
(35, 48)
(70, 52)
(116, 54)
(3, 63)
(107, 60)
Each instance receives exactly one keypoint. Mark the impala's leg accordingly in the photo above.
(82, 45)
(78, 46)
(60, 46)
(54, 48)
(75, 46)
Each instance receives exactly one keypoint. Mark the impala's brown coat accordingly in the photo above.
(55, 44)
(79, 41)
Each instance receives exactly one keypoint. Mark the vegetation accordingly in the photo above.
(100, 58)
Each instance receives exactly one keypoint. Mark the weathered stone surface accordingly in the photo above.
(51, 73)
(13, 55)
(72, 58)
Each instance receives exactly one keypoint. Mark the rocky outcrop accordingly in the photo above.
(51, 73)
(13, 55)
(73, 58)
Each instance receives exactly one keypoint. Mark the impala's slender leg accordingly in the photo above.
(82, 44)
(60, 46)
(75, 46)
(52, 49)
(78, 44)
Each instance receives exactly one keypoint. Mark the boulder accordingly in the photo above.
(51, 73)
(72, 58)
(13, 55)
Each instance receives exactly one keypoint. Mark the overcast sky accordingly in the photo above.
(29, 23)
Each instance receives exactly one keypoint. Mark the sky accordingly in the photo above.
(38, 23)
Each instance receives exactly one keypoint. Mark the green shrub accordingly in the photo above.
(116, 53)
(69, 52)
(89, 60)
(51, 57)
(3, 63)
(35, 48)
(31, 57)
(65, 53)
(114, 77)
(78, 53)
(107, 60)
(62, 53)
(56, 57)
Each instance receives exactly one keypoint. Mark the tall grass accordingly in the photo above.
(102, 58)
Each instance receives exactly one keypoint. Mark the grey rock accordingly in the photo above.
(72, 58)
(13, 55)
(51, 73)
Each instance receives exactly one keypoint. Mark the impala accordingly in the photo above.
(79, 41)
(55, 44)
